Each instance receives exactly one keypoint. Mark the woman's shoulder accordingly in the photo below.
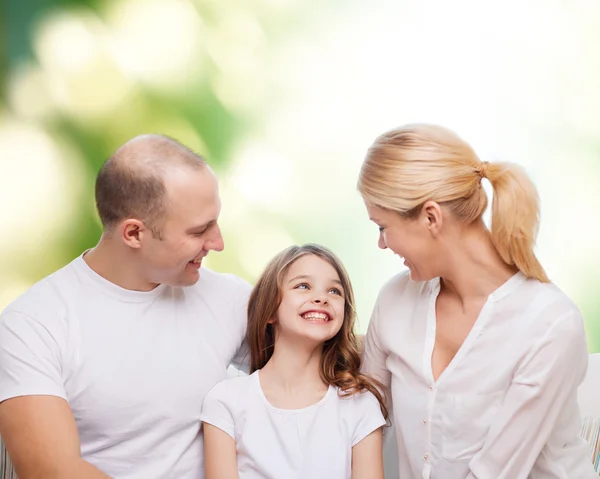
(548, 300)
(546, 313)
(402, 287)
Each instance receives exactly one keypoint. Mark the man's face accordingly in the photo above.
(189, 229)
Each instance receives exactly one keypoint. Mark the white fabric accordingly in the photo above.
(134, 366)
(311, 443)
(506, 406)
(589, 391)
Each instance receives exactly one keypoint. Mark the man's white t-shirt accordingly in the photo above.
(133, 366)
(310, 443)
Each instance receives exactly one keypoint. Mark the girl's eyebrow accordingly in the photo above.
(300, 276)
(306, 276)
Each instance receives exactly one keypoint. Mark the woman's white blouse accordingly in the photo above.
(506, 406)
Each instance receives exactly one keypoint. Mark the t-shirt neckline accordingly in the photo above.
(330, 391)
(110, 288)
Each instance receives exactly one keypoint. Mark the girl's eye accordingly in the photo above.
(302, 286)
(335, 291)
(381, 228)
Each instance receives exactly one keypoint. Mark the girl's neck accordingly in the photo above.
(291, 378)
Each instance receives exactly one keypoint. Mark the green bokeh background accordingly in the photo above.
(283, 97)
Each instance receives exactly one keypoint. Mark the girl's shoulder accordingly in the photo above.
(230, 389)
(362, 413)
(360, 401)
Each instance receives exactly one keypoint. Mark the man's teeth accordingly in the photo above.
(319, 316)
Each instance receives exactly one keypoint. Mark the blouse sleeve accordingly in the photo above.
(375, 356)
(546, 380)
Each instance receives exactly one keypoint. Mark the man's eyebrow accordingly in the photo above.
(202, 227)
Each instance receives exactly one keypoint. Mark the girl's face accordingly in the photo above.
(312, 302)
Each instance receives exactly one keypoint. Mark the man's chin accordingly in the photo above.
(184, 280)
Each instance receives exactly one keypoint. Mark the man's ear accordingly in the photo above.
(133, 232)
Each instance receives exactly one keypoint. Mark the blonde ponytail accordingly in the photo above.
(515, 217)
(408, 166)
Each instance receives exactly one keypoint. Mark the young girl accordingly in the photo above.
(305, 411)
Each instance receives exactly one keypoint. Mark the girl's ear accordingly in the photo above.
(272, 320)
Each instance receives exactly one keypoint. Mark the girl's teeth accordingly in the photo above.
(316, 316)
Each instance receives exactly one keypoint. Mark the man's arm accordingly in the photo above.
(36, 422)
(41, 438)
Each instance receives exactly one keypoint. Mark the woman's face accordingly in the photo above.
(411, 239)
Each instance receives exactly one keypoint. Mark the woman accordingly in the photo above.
(482, 353)
(306, 411)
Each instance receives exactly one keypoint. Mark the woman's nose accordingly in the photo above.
(381, 242)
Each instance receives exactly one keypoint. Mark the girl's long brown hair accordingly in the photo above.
(340, 361)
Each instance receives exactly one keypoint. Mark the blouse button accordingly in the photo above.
(425, 456)
(424, 421)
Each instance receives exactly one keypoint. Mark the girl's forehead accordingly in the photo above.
(312, 266)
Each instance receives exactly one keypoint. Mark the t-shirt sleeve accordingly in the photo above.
(217, 408)
(241, 360)
(30, 358)
(368, 416)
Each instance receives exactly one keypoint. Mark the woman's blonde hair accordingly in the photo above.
(410, 165)
(340, 359)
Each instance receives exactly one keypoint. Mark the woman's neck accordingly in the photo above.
(475, 268)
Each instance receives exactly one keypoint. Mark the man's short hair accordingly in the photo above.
(130, 184)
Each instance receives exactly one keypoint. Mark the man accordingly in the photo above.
(105, 363)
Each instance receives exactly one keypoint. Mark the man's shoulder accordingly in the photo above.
(225, 284)
(47, 296)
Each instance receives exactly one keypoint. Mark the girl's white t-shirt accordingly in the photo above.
(315, 442)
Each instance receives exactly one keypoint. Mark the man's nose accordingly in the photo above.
(215, 242)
